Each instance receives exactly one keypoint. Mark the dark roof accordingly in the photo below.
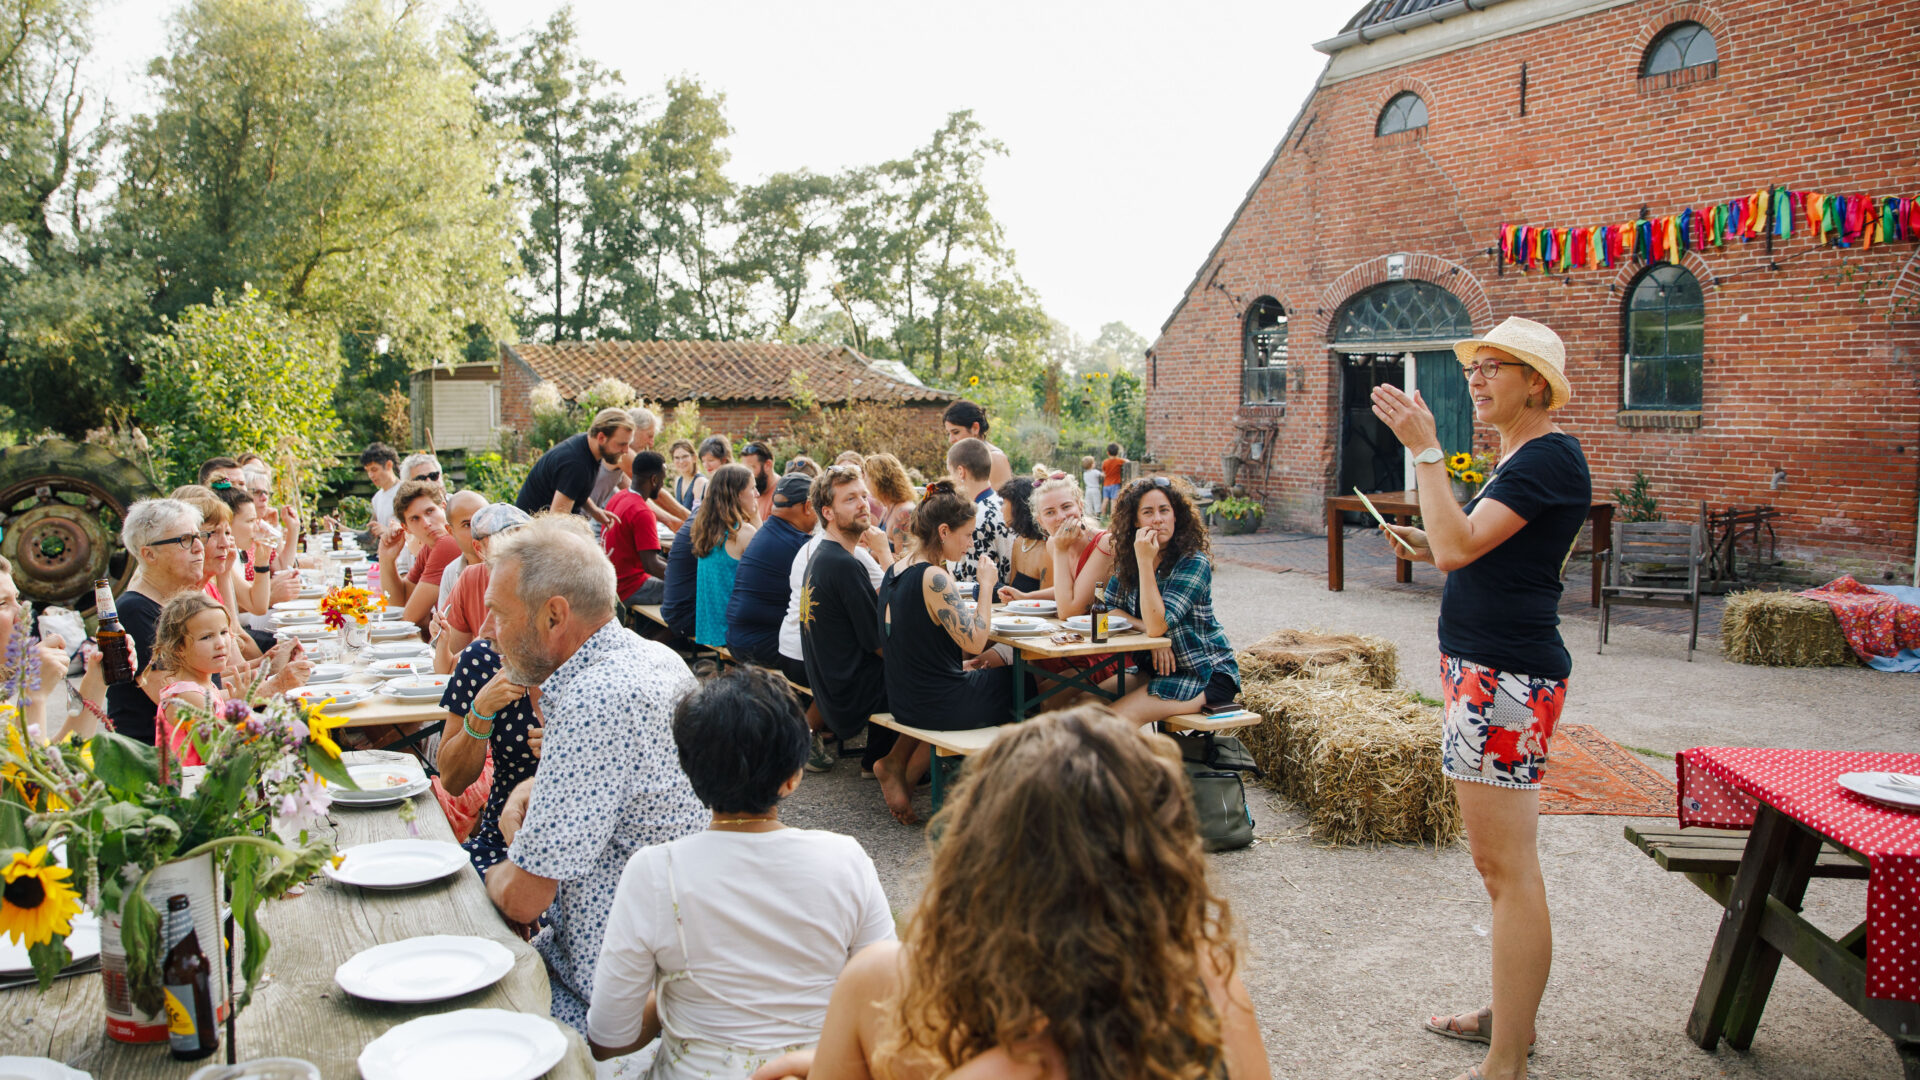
(1379, 11)
(673, 371)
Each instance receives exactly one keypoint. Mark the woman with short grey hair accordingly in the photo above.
(169, 550)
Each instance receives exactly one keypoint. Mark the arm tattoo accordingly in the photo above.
(939, 581)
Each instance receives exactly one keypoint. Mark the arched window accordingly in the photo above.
(1403, 113)
(1666, 336)
(1682, 45)
(1263, 354)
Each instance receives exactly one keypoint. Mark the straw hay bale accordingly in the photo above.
(1369, 660)
(1363, 761)
(1782, 630)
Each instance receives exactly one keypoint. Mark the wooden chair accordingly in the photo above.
(1673, 546)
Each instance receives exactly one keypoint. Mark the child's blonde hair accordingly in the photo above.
(1086, 461)
(170, 635)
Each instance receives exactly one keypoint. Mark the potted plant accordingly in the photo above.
(130, 829)
(1468, 471)
(1234, 515)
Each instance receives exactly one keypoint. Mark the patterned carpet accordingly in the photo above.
(1588, 773)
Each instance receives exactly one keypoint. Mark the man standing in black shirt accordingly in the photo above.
(562, 480)
(840, 616)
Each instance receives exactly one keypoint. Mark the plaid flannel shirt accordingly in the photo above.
(1199, 644)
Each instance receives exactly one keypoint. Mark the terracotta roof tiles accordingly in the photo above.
(673, 371)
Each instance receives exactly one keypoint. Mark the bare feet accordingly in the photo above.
(895, 789)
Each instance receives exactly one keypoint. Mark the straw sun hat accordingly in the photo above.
(1533, 345)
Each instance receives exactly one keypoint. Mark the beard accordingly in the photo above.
(525, 659)
(760, 482)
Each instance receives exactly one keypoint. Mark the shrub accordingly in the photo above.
(493, 475)
(1236, 508)
(919, 443)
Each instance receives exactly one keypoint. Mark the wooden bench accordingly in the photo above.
(1716, 853)
(1203, 722)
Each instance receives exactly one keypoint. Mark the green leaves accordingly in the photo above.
(123, 764)
(328, 767)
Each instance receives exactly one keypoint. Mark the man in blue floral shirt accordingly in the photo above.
(609, 779)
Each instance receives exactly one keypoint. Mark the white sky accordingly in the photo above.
(1134, 128)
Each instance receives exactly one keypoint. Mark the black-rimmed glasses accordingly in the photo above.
(189, 541)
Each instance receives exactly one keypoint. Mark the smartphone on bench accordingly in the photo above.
(1223, 707)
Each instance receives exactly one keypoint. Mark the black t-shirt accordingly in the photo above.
(570, 468)
(840, 638)
(683, 582)
(1503, 609)
(129, 706)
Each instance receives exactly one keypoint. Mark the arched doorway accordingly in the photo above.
(1400, 334)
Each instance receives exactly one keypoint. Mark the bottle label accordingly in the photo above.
(1100, 625)
(180, 1027)
(103, 601)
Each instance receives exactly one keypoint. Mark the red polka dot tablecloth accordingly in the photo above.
(1721, 788)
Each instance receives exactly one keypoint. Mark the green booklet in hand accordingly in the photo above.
(1368, 503)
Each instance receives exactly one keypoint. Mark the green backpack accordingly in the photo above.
(1214, 765)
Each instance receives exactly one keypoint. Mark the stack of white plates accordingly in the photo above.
(1018, 624)
(329, 673)
(308, 632)
(393, 631)
(83, 944)
(391, 650)
(1031, 607)
(418, 687)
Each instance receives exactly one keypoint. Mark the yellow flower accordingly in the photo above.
(320, 727)
(1470, 477)
(1460, 461)
(36, 902)
(973, 380)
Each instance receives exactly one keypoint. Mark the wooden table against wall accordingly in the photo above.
(298, 1011)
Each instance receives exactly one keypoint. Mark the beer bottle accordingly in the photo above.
(111, 637)
(346, 575)
(1097, 618)
(187, 979)
(336, 539)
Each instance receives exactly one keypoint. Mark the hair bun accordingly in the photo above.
(941, 487)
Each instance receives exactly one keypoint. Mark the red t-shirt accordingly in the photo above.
(467, 611)
(635, 529)
(1110, 470)
(430, 563)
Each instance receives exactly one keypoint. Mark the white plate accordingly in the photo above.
(432, 968)
(297, 605)
(25, 1068)
(83, 943)
(393, 650)
(343, 694)
(306, 632)
(376, 788)
(1031, 607)
(473, 1044)
(392, 631)
(1084, 624)
(1018, 624)
(418, 687)
(290, 618)
(329, 673)
(397, 864)
(1877, 786)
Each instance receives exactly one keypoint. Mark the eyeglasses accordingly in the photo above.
(189, 541)
(1487, 368)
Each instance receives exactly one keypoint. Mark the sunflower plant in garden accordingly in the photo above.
(121, 810)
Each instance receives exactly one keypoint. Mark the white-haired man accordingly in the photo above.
(610, 780)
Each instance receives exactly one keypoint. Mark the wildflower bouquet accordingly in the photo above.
(350, 602)
(119, 809)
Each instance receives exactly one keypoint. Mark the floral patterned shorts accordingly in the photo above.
(1497, 724)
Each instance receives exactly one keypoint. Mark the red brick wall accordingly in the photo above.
(1810, 368)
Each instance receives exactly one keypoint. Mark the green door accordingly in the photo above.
(1437, 374)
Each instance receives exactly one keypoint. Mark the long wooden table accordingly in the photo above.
(1029, 649)
(298, 1010)
(1400, 508)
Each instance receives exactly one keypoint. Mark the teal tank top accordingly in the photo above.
(715, 580)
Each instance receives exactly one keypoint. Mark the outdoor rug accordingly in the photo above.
(1588, 773)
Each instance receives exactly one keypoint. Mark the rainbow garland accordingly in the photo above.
(1772, 213)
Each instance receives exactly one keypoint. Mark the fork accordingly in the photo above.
(1901, 781)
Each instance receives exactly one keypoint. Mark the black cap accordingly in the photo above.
(792, 489)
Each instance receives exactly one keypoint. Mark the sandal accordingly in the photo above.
(1482, 1029)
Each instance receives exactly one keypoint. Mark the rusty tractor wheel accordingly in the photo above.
(61, 505)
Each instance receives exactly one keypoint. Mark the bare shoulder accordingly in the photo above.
(875, 971)
(1038, 1059)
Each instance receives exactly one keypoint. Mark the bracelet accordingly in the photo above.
(263, 569)
(466, 722)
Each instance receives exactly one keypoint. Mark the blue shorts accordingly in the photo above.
(1110, 492)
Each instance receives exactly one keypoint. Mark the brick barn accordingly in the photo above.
(1783, 372)
(743, 388)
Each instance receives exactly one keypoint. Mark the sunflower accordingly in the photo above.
(1460, 461)
(320, 725)
(36, 902)
(1471, 477)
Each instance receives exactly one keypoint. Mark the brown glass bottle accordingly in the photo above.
(336, 539)
(1097, 619)
(187, 977)
(111, 637)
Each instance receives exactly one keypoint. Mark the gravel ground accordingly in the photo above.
(1348, 948)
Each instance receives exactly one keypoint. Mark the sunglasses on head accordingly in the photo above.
(1153, 481)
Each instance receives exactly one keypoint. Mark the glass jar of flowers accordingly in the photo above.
(106, 825)
(348, 609)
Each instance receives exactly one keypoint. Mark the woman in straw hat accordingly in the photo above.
(1503, 667)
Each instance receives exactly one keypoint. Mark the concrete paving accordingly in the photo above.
(1349, 948)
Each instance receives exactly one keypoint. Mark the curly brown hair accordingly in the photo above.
(1189, 532)
(1068, 898)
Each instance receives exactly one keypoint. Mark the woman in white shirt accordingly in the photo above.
(740, 931)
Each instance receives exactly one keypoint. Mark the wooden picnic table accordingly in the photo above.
(1805, 825)
(298, 1011)
(1400, 507)
(1029, 649)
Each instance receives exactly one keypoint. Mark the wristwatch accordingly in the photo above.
(1430, 456)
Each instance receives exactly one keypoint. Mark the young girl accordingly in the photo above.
(722, 526)
(192, 645)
